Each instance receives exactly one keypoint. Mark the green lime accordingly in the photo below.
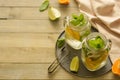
(74, 65)
(53, 13)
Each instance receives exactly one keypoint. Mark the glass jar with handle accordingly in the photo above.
(95, 51)
(77, 27)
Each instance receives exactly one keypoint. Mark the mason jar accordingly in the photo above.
(76, 32)
(95, 51)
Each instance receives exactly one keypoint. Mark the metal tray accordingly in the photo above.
(82, 72)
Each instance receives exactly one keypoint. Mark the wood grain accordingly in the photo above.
(28, 38)
(43, 26)
(32, 3)
(22, 13)
(28, 55)
(4, 13)
(39, 71)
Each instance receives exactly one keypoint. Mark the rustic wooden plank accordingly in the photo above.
(32, 13)
(27, 47)
(27, 40)
(32, 3)
(27, 54)
(39, 71)
(28, 71)
(31, 26)
(4, 13)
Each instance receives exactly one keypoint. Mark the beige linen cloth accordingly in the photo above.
(105, 15)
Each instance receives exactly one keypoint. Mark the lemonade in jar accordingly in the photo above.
(95, 51)
(77, 27)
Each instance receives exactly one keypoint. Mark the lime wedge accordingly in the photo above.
(53, 13)
(74, 65)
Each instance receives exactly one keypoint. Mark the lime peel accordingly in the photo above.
(74, 65)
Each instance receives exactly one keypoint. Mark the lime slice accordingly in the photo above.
(74, 65)
(53, 13)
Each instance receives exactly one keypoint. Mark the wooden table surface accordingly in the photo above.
(27, 41)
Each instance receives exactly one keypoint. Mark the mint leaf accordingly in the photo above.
(60, 42)
(44, 5)
(100, 42)
(96, 43)
(78, 20)
(83, 22)
(74, 16)
(81, 17)
(75, 22)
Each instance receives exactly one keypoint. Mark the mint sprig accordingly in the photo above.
(78, 20)
(96, 43)
(60, 42)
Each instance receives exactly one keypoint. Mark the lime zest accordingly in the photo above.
(44, 5)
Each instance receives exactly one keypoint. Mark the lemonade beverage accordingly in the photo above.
(95, 51)
(77, 27)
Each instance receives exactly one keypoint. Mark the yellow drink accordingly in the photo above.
(95, 51)
(74, 34)
(95, 61)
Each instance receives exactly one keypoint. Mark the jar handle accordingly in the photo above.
(53, 66)
(110, 44)
(66, 21)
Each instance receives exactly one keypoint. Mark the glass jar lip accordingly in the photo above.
(93, 35)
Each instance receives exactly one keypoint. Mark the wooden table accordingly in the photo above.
(27, 40)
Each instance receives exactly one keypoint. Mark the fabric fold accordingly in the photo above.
(105, 15)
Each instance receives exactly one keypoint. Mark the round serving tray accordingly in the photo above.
(70, 53)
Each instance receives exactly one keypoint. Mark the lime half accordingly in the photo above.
(74, 65)
(53, 13)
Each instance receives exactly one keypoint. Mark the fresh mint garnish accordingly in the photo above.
(81, 17)
(75, 22)
(44, 5)
(74, 16)
(60, 42)
(78, 20)
(96, 43)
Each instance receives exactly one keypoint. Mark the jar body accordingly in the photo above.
(75, 34)
(94, 59)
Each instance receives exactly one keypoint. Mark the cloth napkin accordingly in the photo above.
(105, 16)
